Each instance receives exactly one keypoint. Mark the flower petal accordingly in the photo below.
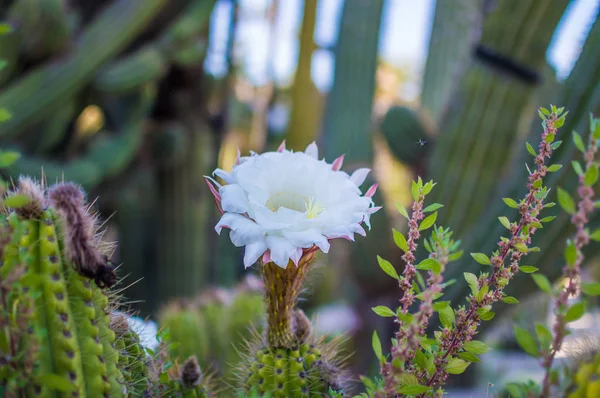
(359, 176)
(281, 250)
(245, 231)
(281, 146)
(253, 251)
(312, 150)
(337, 164)
(233, 199)
(225, 176)
(307, 238)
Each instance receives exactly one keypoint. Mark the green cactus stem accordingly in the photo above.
(406, 134)
(116, 27)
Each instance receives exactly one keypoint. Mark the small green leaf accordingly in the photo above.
(56, 382)
(528, 269)
(414, 189)
(578, 142)
(8, 158)
(432, 207)
(526, 341)
(413, 390)
(537, 184)
(455, 256)
(481, 258)
(554, 168)
(575, 312)
(530, 149)
(384, 311)
(591, 175)
(400, 240)
(430, 264)
(476, 347)
(543, 333)
(16, 201)
(570, 253)
(447, 317)
(510, 300)
(542, 282)
(555, 145)
(547, 219)
(428, 187)
(595, 236)
(440, 305)
(545, 111)
(591, 289)
(428, 221)
(402, 210)
(511, 203)
(488, 316)
(408, 379)
(456, 366)
(470, 278)
(483, 291)
(521, 247)
(4, 115)
(559, 122)
(505, 222)
(468, 356)
(377, 347)
(577, 167)
(387, 267)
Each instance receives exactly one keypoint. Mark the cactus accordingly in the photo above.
(59, 337)
(406, 134)
(227, 318)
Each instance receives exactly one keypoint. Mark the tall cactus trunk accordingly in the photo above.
(305, 115)
(348, 129)
(185, 210)
(481, 123)
(456, 27)
(580, 94)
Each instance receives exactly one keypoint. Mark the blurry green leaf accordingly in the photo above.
(428, 221)
(408, 379)
(468, 356)
(483, 291)
(510, 300)
(488, 316)
(456, 366)
(446, 315)
(575, 312)
(526, 341)
(530, 149)
(455, 256)
(511, 203)
(554, 168)
(414, 189)
(591, 289)
(400, 240)
(432, 207)
(384, 311)
(476, 347)
(4, 115)
(8, 158)
(548, 219)
(560, 121)
(377, 347)
(5, 28)
(387, 267)
(591, 175)
(595, 236)
(430, 264)
(542, 282)
(537, 184)
(402, 210)
(570, 253)
(545, 111)
(413, 390)
(528, 269)
(481, 258)
(440, 305)
(505, 222)
(16, 201)
(577, 167)
(521, 247)
(555, 145)
(428, 187)
(578, 142)
(543, 333)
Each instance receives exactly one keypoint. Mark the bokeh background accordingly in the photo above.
(138, 100)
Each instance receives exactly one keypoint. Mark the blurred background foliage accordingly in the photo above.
(137, 100)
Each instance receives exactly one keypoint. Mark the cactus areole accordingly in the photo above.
(283, 207)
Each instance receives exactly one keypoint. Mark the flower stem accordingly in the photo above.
(282, 287)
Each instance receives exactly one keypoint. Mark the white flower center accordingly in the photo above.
(295, 201)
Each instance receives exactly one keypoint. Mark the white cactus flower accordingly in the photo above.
(282, 204)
